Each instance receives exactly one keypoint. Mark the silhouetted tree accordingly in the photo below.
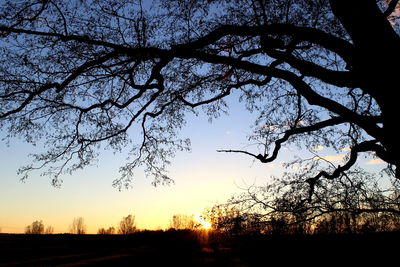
(36, 228)
(79, 74)
(183, 222)
(102, 231)
(279, 225)
(49, 230)
(127, 225)
(337, 223)
(231, 220)
(109, 231)
(78, 226)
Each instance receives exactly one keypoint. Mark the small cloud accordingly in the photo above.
(375, 162)
(269, 127)
(319, 148)
(332, 158)
(346, 149)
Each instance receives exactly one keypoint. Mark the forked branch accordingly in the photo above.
(278, 143)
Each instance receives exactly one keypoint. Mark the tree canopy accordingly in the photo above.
(79, 75)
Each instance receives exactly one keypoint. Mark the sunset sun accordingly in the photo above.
(206, 225)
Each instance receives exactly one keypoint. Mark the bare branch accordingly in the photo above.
(84, 67)
(355, 150)
(307, 68)
(391, 8)
(278, 143)
(31, 96)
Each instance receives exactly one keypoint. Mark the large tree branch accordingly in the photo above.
(278, 143)
(84, 67)
(224, 93)
(306, 34)
(307, 68)
(305, 90)
(391, 8)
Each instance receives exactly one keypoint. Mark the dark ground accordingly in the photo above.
(184, 248)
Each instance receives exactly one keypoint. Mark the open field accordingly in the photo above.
(183, 248)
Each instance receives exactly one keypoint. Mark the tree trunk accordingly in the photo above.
(376, 57)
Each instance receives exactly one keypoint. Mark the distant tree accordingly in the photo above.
(101, 231)
(109, 231)
(337, 223)
(183, 222)
(78, 226)
(229, 219)
(49, 230)
(378, 222)
(36, 228)
(127, 225)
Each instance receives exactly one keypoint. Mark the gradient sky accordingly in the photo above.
(202, 177)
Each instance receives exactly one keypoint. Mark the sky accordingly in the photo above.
(203, 178)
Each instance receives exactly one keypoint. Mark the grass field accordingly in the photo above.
(185, 248)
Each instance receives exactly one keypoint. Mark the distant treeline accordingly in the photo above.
(228, 220)
(231, 220)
